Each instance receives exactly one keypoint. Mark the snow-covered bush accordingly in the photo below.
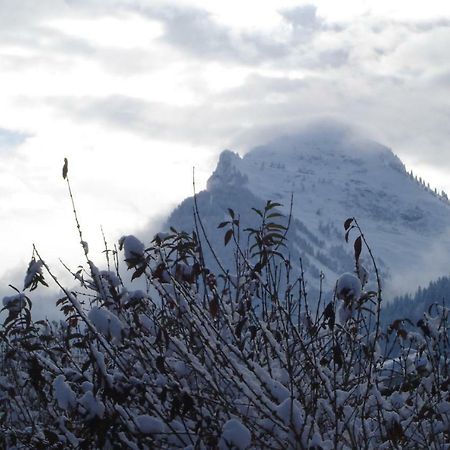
(232, 360)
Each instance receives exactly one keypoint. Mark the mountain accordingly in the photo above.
(425, 300)
(333, 174)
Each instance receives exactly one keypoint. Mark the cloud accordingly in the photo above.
(150, 119)
(59, 35)
(427, 25)
(333, 58)
(195, 31)
(26, 12)
(385, 106)
(303, 18)
(10, 139)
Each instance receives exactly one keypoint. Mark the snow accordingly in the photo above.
(34, 268)
(93, 406)
(278, 390)
(64, 394)
(348, 287)
(85, 246)
(132, 246)
(14, 303)
(100, 360)
(234, 433)
(87, 386)
(148, 324)
(127, 442)
(111, 277)
(397, 400)
(149, 424)
(444, 407)
(363, 274)
(137, 295)
(290, 412)
(106, 322)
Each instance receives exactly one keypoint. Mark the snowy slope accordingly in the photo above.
(334, 175)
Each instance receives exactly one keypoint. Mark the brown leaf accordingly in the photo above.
(160, 364)
(395, 432)
(346, 236)
(188, 402)
(357, 246)
(338, 355)
(239, 326)
(228, 236)
(347, 223)
(395, 325)
(65, 168)
(402, 333)
(214, 307)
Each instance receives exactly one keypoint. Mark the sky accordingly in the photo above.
(135, 93)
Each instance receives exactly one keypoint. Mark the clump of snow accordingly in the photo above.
(111, 277)
(137, 295)
(87, 386)
(149, 424)
(183, 272)
(423, 366)
(34, 268)
(234, 433)
(318, 443)
(85, 246)
(92, 405)
(14, 303)
(278, 390)
(106, 322)
(130, 298)
(290, 412)
(363, 274)
(63, 393)
(148, 324)
(348, 287)
(133, 248)
(397, 400)
(345, 313)
(444, 407)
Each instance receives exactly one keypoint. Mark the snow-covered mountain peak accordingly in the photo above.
(335, 174)
(227, 172)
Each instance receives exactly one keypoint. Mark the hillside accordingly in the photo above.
(333, 175)
(424, 300)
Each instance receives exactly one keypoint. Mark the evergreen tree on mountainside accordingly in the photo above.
(413, 307)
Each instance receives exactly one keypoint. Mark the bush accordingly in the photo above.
(219, 360)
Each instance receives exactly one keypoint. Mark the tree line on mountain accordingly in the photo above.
(413, 306)
(441, 195)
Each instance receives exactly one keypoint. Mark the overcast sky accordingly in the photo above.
(136, 93)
